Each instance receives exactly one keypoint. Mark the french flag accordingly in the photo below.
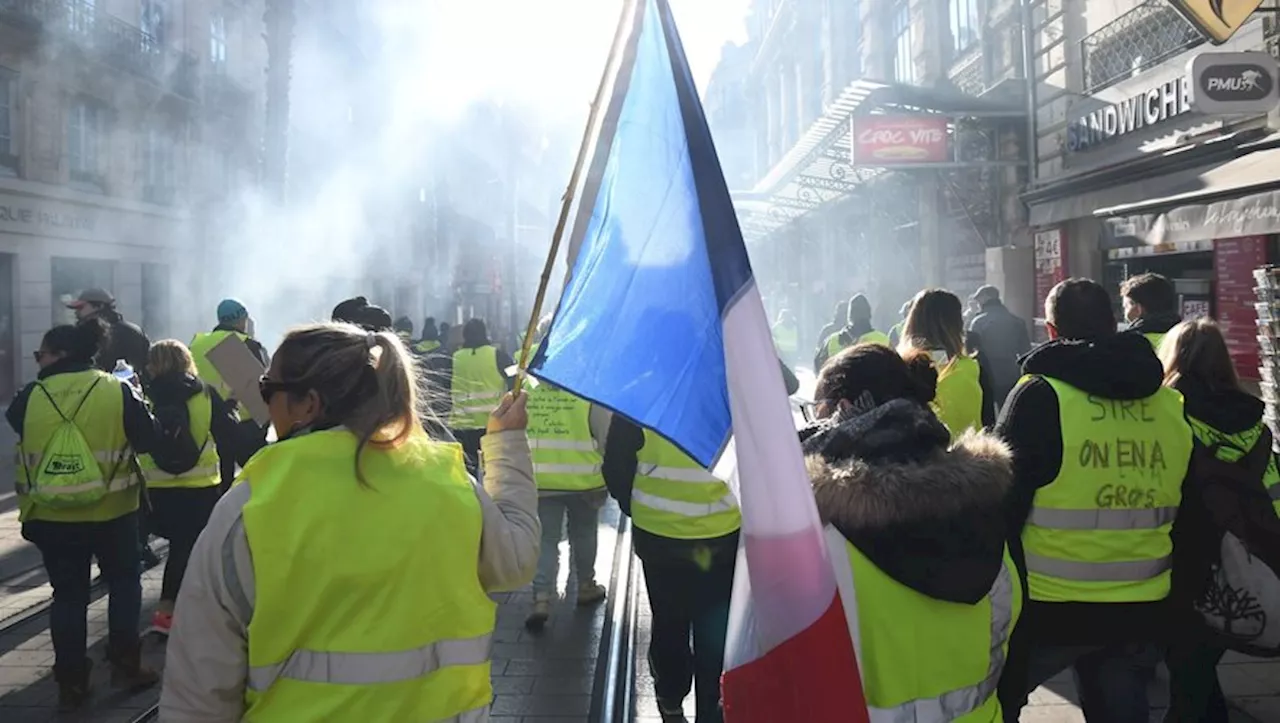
(661, 321)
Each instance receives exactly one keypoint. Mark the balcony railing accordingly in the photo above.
(1136, 41)
(116, 42)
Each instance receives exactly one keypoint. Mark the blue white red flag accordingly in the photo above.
(661, 321)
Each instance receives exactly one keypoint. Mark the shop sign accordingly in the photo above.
(1233, 83)
(884, 140)
(37, 219)
(1148, 108)
(1217, 19)
(1050, 253)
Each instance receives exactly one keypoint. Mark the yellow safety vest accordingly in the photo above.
(564, 453)
(1155, 338)
(871, 337)
(787, 339)
(674, 496)
(1234, 446)
(207, 472)
(923, 659)
(1099, 532)
(426, 346)
(368, 602)
(101, 421)
(959, 400)
(476, 387)
(201, 344)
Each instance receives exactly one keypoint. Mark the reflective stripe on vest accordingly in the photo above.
(115, 485)
(674, 497)
(1231, 447)
(313, 666)
(409, 637)
(33, 459)
(564, 453)
(1100, 531)
(860, 583)
(476, 387)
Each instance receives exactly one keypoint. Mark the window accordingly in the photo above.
(81, 16)
(966, 24)
(157, 167)
(218, 41)
(85, 123)
(151, 21)
(904, 67)
(8, 87)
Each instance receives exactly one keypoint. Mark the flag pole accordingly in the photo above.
(568, 198)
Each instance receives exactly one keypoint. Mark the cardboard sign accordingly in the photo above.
(240, 370)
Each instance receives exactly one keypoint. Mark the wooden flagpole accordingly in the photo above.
(567, 202)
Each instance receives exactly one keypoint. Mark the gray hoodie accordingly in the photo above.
(207, 661)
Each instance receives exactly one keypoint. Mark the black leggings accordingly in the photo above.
(179, 515)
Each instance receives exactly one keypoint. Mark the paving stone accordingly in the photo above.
(536, 705)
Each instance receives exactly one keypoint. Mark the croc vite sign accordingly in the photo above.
(1217, 19)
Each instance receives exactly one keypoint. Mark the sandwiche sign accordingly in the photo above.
(893, 140)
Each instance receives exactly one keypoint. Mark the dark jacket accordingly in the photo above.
(124, 341)
(1118, 366)
(849, 334)
(1155, 323)
(927, 517)
(1220, 498)
(174, 388)
(1000, 338)
(139, 425)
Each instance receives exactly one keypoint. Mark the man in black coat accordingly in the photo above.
(124, 341)
(1000, 338)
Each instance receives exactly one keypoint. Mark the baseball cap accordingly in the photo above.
(231, 310)
(985, 293)
(92, 296)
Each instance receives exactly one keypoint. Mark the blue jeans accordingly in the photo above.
(583, 512)
(68, 549)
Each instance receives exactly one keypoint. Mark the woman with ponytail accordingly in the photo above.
(916, 535)
(348, 570)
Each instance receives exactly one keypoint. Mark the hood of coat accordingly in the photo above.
(1229, 411)
(174, 388)
(1117, 366)
(930, 518)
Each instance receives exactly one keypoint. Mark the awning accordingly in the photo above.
(1236, 198)
(1084, 205)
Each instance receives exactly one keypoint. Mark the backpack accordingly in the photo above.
(176, 451)
(1240, 603)
(68, 475)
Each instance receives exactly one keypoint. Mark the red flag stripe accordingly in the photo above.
(812, 677)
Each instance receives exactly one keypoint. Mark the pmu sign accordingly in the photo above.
(1227, 83)
(1217, 19)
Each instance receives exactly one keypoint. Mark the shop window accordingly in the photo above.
(86, 126)
(904, 67)
(966, 24)
(72, 276)
(155, 300)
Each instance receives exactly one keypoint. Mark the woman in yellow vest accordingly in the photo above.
(345, 576)
(935, 325)
(477, 381)
(95, 518)
(182, 496)
(917, 539)
(1222, 416)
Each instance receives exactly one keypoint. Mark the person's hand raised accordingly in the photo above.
(510, 414)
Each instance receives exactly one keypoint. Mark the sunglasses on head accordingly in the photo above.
(269, 387)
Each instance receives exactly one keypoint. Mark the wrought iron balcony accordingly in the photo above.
(1137, 40)
(113, 40)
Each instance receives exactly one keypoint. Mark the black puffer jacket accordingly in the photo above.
(927, 517)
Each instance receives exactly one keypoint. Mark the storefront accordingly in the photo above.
(53, 247)
(1148, 184)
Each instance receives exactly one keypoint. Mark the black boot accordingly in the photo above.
(73, 684)
(127, 670)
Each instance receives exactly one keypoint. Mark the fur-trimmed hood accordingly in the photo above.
(933, 523)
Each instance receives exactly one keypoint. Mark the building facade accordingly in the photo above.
(827, 213)
(1131, 177)
(123, 124)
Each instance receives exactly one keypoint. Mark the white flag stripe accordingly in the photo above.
(779, 515)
